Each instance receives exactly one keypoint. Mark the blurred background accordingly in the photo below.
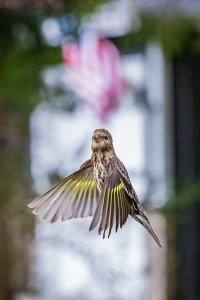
(68, 67)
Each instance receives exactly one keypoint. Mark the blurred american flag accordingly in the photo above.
(95, 73)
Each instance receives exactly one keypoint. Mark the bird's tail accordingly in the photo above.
(143, 220)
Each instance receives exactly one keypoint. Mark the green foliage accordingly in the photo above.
(183, 197)
(177, 34)
(81, 8)
(23, 54)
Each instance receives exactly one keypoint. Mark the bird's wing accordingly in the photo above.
(76, 196)
(136, 210)
(113, 205)
(124, 177)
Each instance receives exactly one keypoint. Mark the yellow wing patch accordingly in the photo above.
(118, 188)
(85, 183)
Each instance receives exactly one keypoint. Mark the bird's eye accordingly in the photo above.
(106, 137)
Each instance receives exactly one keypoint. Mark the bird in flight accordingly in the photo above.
(101, 188)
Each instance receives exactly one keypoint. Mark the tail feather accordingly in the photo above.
(143, 220)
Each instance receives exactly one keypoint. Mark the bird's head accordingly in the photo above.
(102, 140)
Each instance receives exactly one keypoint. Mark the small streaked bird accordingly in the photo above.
(101, 188)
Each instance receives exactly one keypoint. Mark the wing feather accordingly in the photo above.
(98, 212)
(135, 209)
(111, 213)
(80, 196)
(105, 212)
(117, 212)
(113, 205)
(109, 196)
(75, 196)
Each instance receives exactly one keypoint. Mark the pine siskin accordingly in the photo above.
(100, 188)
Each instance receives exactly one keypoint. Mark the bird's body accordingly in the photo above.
(100, 163)
(101, 188)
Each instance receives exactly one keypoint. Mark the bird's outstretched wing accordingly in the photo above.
(136, 210)
(76, 196)
(113, 204)
(117, 200)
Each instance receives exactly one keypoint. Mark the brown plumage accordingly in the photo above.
(100, 188)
